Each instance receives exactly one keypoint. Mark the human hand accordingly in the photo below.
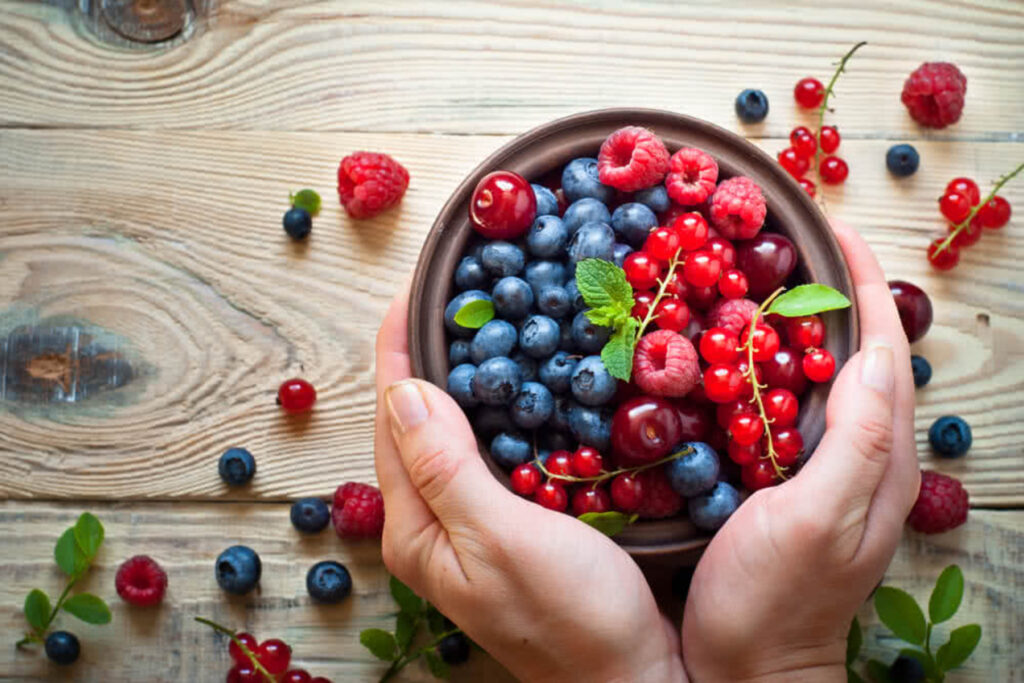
(549, 597)
(773, 595)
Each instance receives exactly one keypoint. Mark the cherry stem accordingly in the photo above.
(962, 225)
(597, 479)
(241, 646)
(828, 93)
(752, 376)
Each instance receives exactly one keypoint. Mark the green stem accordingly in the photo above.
(755, 385)
(962, 225)
(663, 285)
(405, 659)
(29, 638)
(828, 93)
(241, 646)
(60, 602)
(614, 473)
(928, 640)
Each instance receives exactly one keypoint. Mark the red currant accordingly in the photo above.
(809, 93)
(744, 454)
(296, 676)
(747, 390)
(723, 250)
(784, 370)
(833, 170)
(692, 230)
(672, 314)
(733, 284)
(995, 213)
(723, 383)
(945, 259)
(244, 673)
(758, 475)
(642, 270)
(503, 205)
(965, 186)
(559, 463)
(321, 679)
(274, 655)
(701, 298)
(781, 407)
(808, 185)
(819, 365)
(586, 462)
(236, 653)
(642, 301)
(702, 269)
(725, 412)
(765, 341)
(676, 285)
(805, 331)
(746, 428)
(829, 137)
(803, 142)
(296, 396)
(788, 445)
(525, 479)
(719, 345)
(794, 164)
(552, 496)
(662, 243)
(627, 492)
(969, 235)
(589, 499)
(955, 206)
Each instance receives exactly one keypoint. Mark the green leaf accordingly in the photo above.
(435, 621)
(307, 199)
(381, 643)
(617, 354)
(852, 676)
(88, 608)
(37, 609)
(854, 639)
(608, 523)
(404, 630)
(962, 642)
(70, 558)
(899, 611)
(408, 602)
(878, 671)
(606, 316)
(438, 667)
(947, 594)
(475, 314)
(603, 283)
(89, 534)
(931, 671)
(808, 300)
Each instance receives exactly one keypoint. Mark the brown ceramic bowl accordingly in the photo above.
(550, 147)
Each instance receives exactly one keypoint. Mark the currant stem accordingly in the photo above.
(406, 658)
(241, 646)
(962, 225)
(752, 376)
(672, 264)
(597, 479)
(828, 93)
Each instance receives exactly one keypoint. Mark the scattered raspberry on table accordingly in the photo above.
(358, 511)
(941, 504)
(369, 183)
(934, 94)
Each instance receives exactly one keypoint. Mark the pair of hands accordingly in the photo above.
(553, 600)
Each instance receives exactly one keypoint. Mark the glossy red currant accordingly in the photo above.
(503, 205)
(788, 445)
(969, 235)
(662, 243)
(747, 390)
(995, 213)
(833, 170)
(672, 314)
(945, 259)
(296, 396)
(746, 428)
(781, 407)
(794, 164)
(274, 655)
(744, 454)
(723, 250)
(552, 496)
(765, 341)
(627, 492)
(829, 139)
(642, 301)
(676, 285)
(642, 270)
(965, 186)
(719, 345)
(819, 365)
(955, 206)
(805, 332)
(723, 383)
(808, 185)
(758, 475)
(525, 479)
(701, 298)
(803, 142)
(296, 676)
(809, 93)
(734, 284)
(726, 411)
(559, 463)
(587, 462)
(702, 269)
(244, 673)
(590, 499)
(692, 229)
(236, 653)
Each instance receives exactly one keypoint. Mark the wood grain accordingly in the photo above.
(503, 67)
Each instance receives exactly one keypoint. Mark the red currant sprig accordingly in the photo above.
(824, 106)
(605, 476)
(243, 647)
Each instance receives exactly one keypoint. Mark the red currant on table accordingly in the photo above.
(723, 383)
(744, 454)
(672, 314)
(758, 475)
(719, 345)
(627, 492)
(808, 185)
(781, 407)
(819, 365)
(642, 304)
(955, 206)
(969, 235)
(274, 655)
(296, 396)
(503, 205)
(525, 479)
(788, 444)
(733, 284)
(559, 463)
(794, 164)
(692, 230)
(805, 331)
(746, 428)
(945, 259)
(833, 170)
(765, 341)
(589, 499)
(829, 137)
(662, 243)
(965, 186)
(244, 673)
(702, 269)
(642, 270)
(803, 142)
(236, 653)
(995, 213)
(723, 250)
(587, 462)
(809, 93)
(296, 676)
(552, 496)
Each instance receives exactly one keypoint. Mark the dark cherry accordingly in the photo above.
(914, 306)
(503, 205)
(644, 429)
(694, 421)
(767, 260)
(785, 370)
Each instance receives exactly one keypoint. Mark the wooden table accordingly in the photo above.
(146, 285)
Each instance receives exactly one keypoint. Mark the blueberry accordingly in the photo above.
(62, 647)
(751, 106)
(497, 381)
(456, 304)
(621, 252)
(328, 582)
(709, 510)
(906, 670)
(532, 406)
(556, 441)
(310, 515)
(632, 222)
(527, 366)
(512, 297)
(565, 342)
(454, 649)
(579, 180)
(470, 274)
(495, 338)
(578, 304)
(587, 336)
(554, 301)
(541, 274)
(489, 420)
(902, 160)
(297, 223)
(236, 466)
(460, 385)
(560, 415)
(592, 385)
(950, 436)
(547, 202)
(502, 259)
(511, 449)
(556, 372)
(591, 426)
(238, 569)
(922, 370)
(585, 211)
(654, 198)
(458, 352)
(539, 336)
(694, 473)
(547, 237)
(592, 240)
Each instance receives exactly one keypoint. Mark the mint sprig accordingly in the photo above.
(609, 295)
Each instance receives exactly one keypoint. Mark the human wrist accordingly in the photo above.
(821, 663)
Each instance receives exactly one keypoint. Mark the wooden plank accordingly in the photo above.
(480, 67)
(175, 265)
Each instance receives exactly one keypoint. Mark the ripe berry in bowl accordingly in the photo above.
(503, 205)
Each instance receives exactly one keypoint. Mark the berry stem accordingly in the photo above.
(597, 479)
(241, 646)
(962, 225)
(663, 285)
(406, 658)
(752, 377)
(828, 93)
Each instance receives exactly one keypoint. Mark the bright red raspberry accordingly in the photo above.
(358, 511)
(140, 581)
(738, 208)
(732, 314)
(934, 94)
(665, 364)
(659, 498)
(369, 183)
(631, 159)
(941, 504)
(691, 177)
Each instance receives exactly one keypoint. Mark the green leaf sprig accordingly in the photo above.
(74, 552)
(306, 199)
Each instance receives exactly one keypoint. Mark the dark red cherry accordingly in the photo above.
(644, 429)
(767, 260)
(914, 306)
(785, 370)
(503, 205)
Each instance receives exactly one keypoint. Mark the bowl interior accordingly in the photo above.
(548, 148)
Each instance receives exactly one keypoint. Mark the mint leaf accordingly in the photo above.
(435, 620)
(617, 354)
(878, 671)
(899, 611)
(947, 594)
(606, 316)
(608, 523)
(808, 300)
(306, 199)
(854, 639)
(88, 534)
(37, 609)
(603, 283)
(962, 642)
(88, 608)
(475, 314)
(408, 602)
(931, 672)
(438, 667)
(69, 556)
(380, 643)
(404, 630)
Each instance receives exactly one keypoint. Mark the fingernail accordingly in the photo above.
(876, 370)
(405, 405)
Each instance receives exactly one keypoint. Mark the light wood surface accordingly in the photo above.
(150, 303)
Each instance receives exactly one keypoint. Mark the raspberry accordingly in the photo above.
(665, 364)
(368, 183)
(934, 94)
(631, 159)
(738, 208)
(692, 176)
(941, 504)
(140, 581)
(659, 498)
(731, 314)
(358, 511)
